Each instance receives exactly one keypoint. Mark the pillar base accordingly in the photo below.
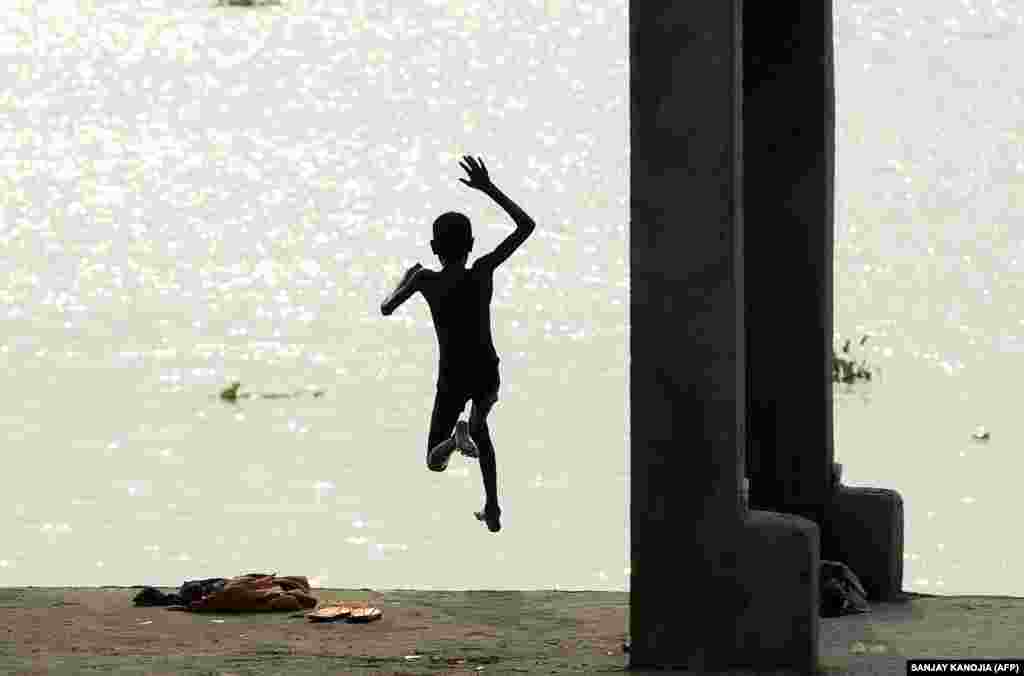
(780, 555)
(863, 528)
(776, 629)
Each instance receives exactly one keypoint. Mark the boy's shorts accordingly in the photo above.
(451, 398)
(480, 386)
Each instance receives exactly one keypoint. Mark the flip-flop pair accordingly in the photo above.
(342, 611)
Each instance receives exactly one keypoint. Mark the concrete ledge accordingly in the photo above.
(779, 561)
(527, 632)
(863, 528)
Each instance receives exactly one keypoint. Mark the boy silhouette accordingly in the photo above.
(460, 305)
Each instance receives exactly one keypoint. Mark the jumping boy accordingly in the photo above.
(460, 304)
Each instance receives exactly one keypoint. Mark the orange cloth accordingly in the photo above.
(257, 592)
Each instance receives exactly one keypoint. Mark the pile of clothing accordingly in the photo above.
(245, 593)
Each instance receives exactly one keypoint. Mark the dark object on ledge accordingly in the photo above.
(191, 590)
(151, 597)
(196, 590)
(841, 591)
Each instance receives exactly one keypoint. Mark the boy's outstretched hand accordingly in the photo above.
(478, 177)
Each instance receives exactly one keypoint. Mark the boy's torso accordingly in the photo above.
(460, 304)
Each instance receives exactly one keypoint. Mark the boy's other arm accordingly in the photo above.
(405, 289)
(524, 227)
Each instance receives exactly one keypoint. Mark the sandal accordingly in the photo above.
(365, 614)
(331, 612)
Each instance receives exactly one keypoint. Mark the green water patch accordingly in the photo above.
(848, 370)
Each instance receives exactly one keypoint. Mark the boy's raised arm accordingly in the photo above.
(480, 180)
(405, 289)
(524, 227)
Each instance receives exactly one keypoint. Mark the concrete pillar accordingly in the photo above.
(713, 586)
(789, 122)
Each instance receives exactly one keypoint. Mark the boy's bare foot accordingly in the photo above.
(464, 442)
(491, 517)
(440, 454)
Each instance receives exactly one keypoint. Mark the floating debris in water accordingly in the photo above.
(247, 3)
(231, 393)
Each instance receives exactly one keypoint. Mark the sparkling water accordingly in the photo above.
(200, 194)
(930, 186)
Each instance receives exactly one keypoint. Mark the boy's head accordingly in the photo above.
(453, 237)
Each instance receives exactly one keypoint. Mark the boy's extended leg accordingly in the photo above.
(441, 442)
(481, 434)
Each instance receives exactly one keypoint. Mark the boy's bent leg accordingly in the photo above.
(440, 441)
